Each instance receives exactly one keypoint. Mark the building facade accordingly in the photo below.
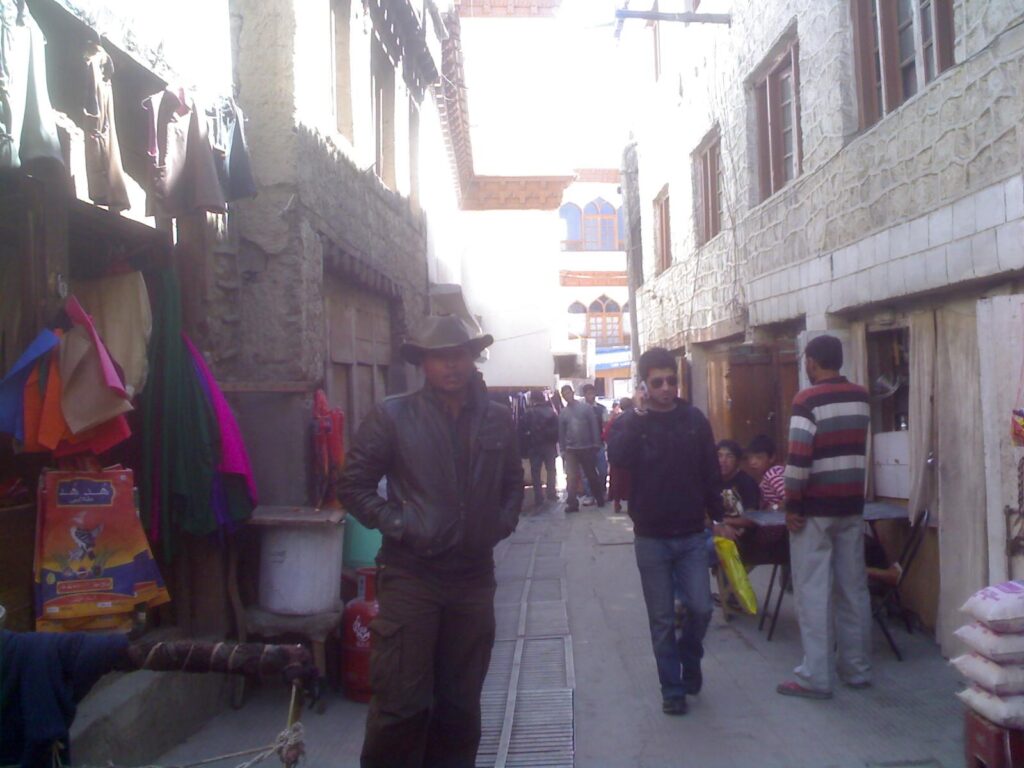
(593, 290)
(849, 166)
(316, 280)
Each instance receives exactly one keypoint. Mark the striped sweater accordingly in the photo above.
(828, 435)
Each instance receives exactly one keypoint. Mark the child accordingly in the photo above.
(761, 460)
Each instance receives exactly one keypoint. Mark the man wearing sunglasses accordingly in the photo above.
(669, 449)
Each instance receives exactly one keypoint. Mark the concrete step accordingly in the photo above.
(132, 718)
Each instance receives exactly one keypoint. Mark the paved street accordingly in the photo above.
(909, 718)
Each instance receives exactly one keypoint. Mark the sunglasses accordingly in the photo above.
(667, 381)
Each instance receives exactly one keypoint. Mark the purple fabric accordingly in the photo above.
(233, 457)
(218, 500)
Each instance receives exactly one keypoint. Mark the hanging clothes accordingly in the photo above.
(232, 490)
(12, 388)
(180, 437)
(234, 459)
(183, 174)
(230, 151)
(102, 154)
(28, 130)
(119, 306)
(93, 389)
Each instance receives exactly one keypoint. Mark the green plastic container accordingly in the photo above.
(360, 546)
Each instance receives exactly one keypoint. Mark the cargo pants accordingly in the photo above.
(432, 644)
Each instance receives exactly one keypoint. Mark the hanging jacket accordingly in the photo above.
(102, 154)
(438, 516)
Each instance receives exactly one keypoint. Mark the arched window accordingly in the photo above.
(621, 244)
(577, 319)
(572, 236)
(604, 322)
(600, 226)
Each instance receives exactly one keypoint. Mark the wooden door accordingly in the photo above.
(752, 393)
(718, 395)
(788, 384)
(359, 349)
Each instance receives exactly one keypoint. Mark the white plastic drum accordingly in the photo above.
(300, 569)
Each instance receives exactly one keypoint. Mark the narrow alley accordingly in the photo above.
(587, 690)
(313, 313)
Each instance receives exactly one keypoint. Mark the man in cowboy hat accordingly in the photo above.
(455, 487)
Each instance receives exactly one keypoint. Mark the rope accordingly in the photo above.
(288, 746)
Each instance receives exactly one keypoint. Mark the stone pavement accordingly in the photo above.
(909, 718)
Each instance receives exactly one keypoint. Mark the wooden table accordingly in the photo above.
(873, 511)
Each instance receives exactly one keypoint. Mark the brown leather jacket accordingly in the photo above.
(429, 519)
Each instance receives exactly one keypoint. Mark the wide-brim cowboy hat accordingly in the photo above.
(440, 332)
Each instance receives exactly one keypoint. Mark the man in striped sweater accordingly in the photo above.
(824, 513)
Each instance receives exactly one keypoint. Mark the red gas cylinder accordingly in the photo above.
(355, 641)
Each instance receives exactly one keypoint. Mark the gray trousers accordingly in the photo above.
(832, 600)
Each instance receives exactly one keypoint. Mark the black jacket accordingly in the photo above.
(429, 520)
(673, 467)
(540, 427)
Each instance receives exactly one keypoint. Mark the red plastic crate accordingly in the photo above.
(987, 745)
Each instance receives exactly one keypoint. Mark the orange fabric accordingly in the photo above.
(32, 402)
(45, 427)
(99, 439)
(52, 426)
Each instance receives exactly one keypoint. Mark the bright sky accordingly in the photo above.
(545, 94)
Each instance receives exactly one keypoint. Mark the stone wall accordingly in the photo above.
(263, 286)
(957, 136)
(257, 277)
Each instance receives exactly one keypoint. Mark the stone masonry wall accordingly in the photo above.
(366, 220)
(959, 135)
(263, 312)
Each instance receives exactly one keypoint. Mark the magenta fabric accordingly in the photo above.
(233, 457)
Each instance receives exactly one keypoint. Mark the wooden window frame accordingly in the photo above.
(662, 231)
(341, 66)
(656, 37)
(876, 22)
(769, 106)
(570, 244)
(601, 320)
(382, 105)
(707, 163)
(598, 219)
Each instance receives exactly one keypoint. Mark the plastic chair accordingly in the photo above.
(886, 597)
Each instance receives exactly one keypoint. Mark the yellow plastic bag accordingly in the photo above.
(729, 560)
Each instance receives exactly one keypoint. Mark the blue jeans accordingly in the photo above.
(667, 567)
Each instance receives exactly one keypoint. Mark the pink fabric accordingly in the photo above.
(233, 457)
(110, 373)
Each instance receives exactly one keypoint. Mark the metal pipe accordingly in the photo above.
(695, 18)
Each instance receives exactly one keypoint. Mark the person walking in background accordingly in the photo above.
(455, 486)
(578, 438)
(824, 514)
(668, 448)
(618, 477)
(540, 426)
(601, 460)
